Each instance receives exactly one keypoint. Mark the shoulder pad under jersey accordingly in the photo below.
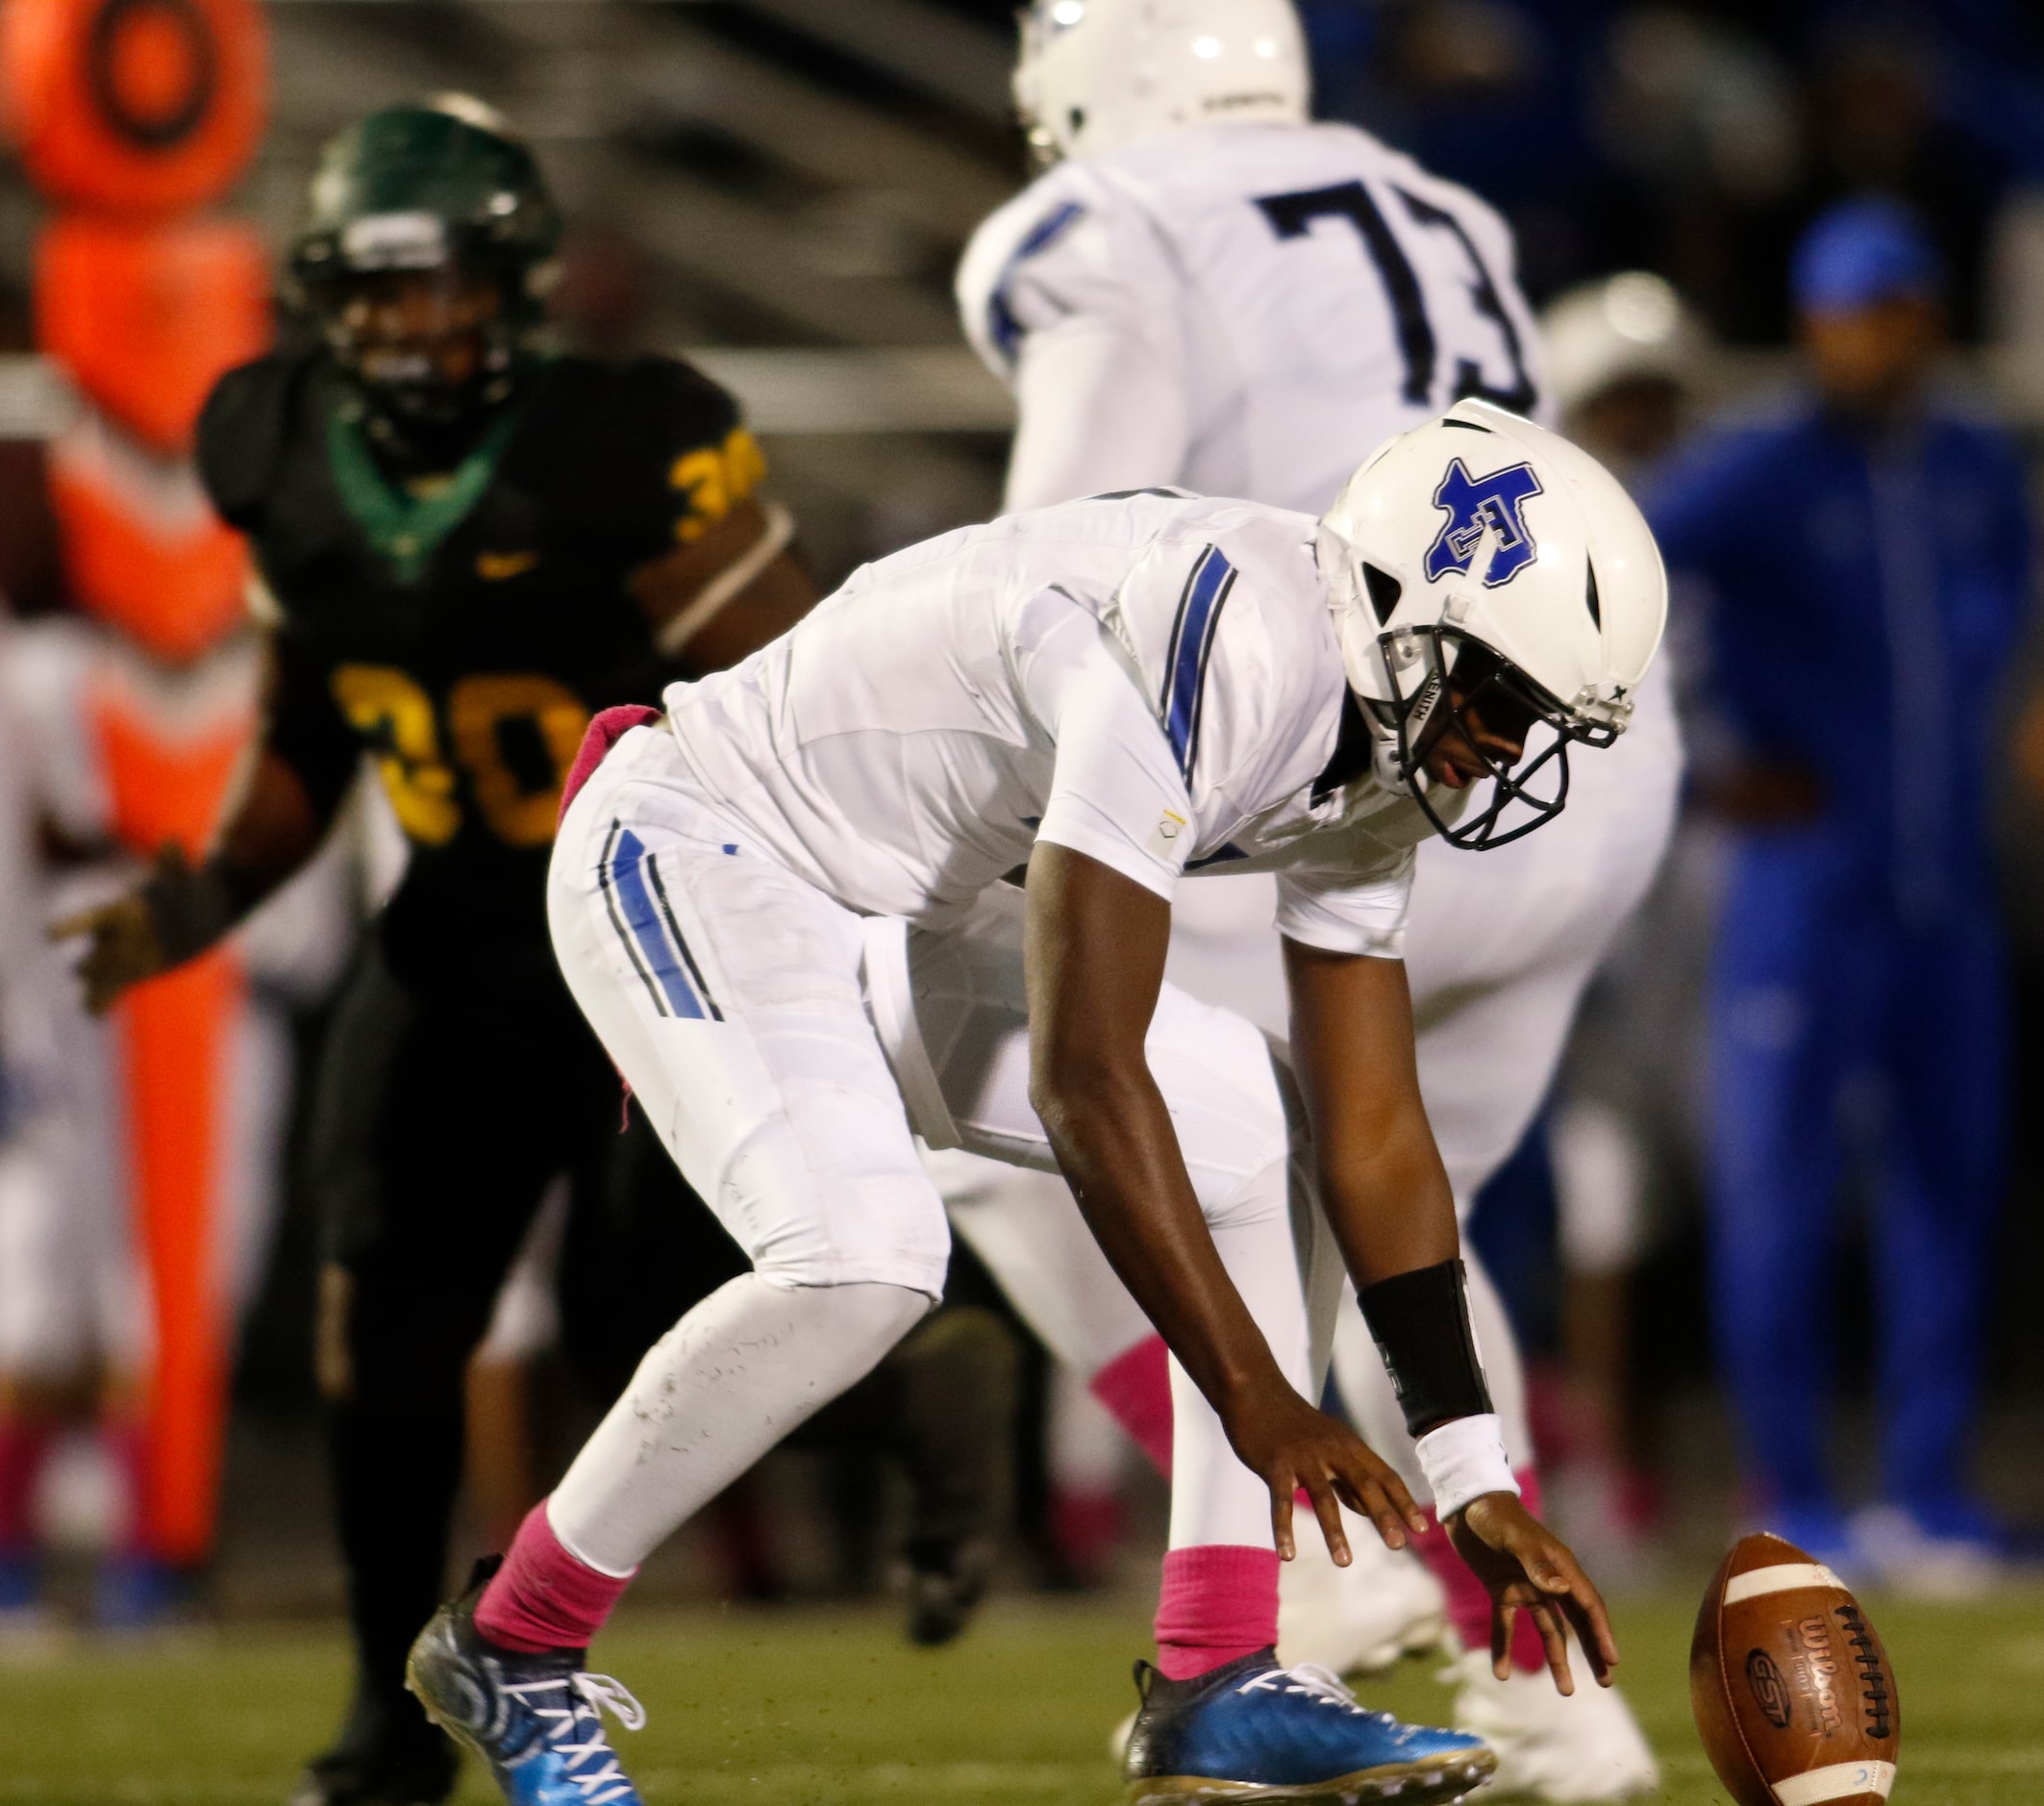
(1017, 248)
(242, 429)
(603, 440)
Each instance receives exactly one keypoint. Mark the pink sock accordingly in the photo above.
(1468, 1602)
(542, 1597)
(23, 1444)
(1135, 1386)
(1218, 1601)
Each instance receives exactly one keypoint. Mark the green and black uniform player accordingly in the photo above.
(467, 547)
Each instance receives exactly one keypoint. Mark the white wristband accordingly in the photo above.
(1463, 1459)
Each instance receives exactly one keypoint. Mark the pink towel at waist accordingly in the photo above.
(603, 733)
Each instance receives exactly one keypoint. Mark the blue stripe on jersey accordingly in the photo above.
(1199, 613)
(629, 867)
(1004, 330)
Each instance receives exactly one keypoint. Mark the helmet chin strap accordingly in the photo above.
(1385, 767)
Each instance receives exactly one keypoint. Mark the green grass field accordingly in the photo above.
(830, 1706)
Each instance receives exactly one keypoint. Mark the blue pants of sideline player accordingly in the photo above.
(1841, 1030)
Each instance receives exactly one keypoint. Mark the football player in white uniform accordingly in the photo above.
(1206, 289)
(1116, 693)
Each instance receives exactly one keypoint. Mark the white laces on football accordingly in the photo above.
(599, 1693)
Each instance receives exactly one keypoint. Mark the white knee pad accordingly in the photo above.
(876, 1225)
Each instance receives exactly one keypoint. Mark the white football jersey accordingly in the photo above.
(1308, 290)
(1150, 679)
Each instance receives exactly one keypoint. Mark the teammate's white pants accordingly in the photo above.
(962, 1046)
(1027, 1230)
(729, 992)
(1499, 950)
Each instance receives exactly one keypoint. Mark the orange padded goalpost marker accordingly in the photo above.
(140, 108)
(131, 116)
(142, 549)
(168, 751)
(145, 316)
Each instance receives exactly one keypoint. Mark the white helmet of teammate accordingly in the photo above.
(1483, 547)
(1625, 328)
(1097, 74)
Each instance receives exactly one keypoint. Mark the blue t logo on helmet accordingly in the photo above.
(1476, 505)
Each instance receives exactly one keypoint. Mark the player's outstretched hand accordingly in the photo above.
(1527, 1569)
(122, 944)
(1290, 1444)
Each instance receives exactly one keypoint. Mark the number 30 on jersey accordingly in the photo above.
(516, 737)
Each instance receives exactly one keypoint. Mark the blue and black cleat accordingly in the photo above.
(1252, 1730)
(537, 1720)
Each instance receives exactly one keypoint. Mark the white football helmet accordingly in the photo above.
(1615, 330)
(1483, 561)
(1097, 74)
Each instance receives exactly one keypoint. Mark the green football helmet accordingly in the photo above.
(425, 254)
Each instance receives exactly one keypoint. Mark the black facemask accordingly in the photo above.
(1525, 792)
(420, 416)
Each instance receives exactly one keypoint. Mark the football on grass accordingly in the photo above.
(1793, 1694)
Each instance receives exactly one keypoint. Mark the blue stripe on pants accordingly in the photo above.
(643, 918)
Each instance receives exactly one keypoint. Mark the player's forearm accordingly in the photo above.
(273, 827)
(1094, 951)
(1388, 1200)
(276, 823)
(1381, 1182)
(1116, 1146)
(1394, 1218)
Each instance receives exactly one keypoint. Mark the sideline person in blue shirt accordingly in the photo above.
(1867, 554)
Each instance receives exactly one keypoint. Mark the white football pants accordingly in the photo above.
(729, 991)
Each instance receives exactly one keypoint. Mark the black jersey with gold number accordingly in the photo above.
(464, 632)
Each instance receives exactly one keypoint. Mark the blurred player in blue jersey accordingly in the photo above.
(1868, 551)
